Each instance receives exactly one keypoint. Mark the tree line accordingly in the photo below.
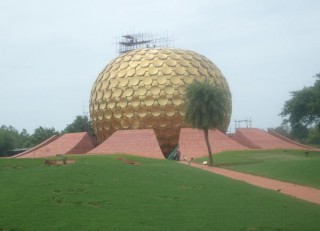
(11, 140)
(301, 115)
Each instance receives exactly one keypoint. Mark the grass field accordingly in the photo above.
(103, 193)
(286, 165)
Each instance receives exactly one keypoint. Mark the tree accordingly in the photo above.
(41, 134)
(302, 111)
(8, 139)
(206, 107)
(80, 124)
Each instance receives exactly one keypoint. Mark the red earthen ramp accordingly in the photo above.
(192, 143)
(44, 143)
(139, 142)
(260, 139)
(69, 143)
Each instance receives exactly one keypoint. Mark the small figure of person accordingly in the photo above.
(178, 154)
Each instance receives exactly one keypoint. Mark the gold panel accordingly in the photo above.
(187, 56)
(137, 58)
(102, 105)
(175, 56)
(128, 92)
(145, 89)
(162, 121)
(135, 101)
(149, 57)
(145, 63)
(148, 122)
(111, 103)
(129, 112)
(176, 100)
(122, 73)
(147, 80)
(205, 64)
(184, 63)
(179, 70)
(141, 90)
(163, 100)
(181, 89)
(123, 102)
(135, 80)
(155, 90)
(131, 72)
(153, 51)
(158, 63)
(133, 64)
(118, 60)
(192, 71)
(161, 79)
(175, 79)
(135, 123)
(108, 114)
(142, 111)
(106, 125)
(171, 63)
(187, 79)
(100, 94)
(169, 90)
(100, 115)
(127, 58)
(149, 101)
(125, 123)
(153, 70)
(162, 56)
(115, 66)
(114, 83)
(140, 71)
(124, 65)
(170, 110)
(156, 110)
(203, 71)
(123, 82)
(117, 92)
(117, 113)
(115, 124)
(166, 70)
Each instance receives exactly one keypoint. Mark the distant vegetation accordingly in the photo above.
(106, 193)
(302, 114)
(11, 139)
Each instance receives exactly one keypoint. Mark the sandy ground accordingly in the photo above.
(298, 191)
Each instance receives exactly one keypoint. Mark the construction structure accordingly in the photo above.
(132, 41)
(238, 123)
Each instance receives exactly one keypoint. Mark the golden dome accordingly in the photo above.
(144, 89)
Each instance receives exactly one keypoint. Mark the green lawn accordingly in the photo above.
(287, 165)
(103, 193)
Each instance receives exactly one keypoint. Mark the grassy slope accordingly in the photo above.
(102, 193)
(291, 165)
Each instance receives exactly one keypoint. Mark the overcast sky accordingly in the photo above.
(52, 51)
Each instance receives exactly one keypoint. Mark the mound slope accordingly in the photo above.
(192, 142)
(260, 139)
(69, 143)
(140, 142)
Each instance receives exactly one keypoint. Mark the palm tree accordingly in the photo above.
(206, 107)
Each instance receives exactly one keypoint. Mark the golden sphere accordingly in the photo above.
(143, 89)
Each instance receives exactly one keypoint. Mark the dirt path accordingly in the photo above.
(298, 191)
